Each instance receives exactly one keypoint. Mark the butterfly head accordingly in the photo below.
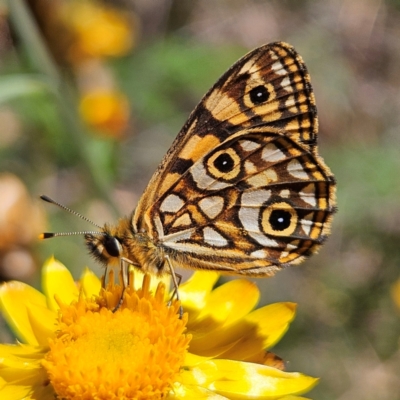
(104, 247)
(112, 243)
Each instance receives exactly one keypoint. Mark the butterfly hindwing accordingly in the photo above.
(253, 203)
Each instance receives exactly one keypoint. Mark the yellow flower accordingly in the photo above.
(75, 345)
(105, 110)
(99, 30)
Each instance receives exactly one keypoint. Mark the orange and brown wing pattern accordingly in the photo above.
(269, 86)
(254, 203)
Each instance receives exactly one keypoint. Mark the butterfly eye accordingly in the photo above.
(280, 220)
(259, 94)
(112, 246)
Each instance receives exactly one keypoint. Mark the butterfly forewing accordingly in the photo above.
(269, 86)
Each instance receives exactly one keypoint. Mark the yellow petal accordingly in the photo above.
(272, 321)
(26, 375)
(15, 392)
(22, 374)
(20, 351)
(57, 280)
(39, 389)
(14, 298)
(20, 356)
(43, 323)
(91, 284)
(258, 330)
(231, 301)
(194, 392)
(216, 328)
(194, 359)
(195, 291)
(212, 345)
(240, 380)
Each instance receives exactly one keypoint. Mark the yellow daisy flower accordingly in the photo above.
(106, 110)
(98, 30)
(73, 343)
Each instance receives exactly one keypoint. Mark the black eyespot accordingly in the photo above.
(280, 220)
(259, 94)
(112, 246)
(224, 163)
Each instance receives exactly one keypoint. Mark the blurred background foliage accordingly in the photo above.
(93, 93)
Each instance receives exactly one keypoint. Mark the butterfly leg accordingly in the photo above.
(124, 265)
(176, 280)
(103, 278)
(175, 292)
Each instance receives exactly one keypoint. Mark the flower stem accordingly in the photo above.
(42, 61)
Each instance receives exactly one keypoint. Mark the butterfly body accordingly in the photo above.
(242, 189)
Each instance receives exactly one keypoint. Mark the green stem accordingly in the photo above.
(31, 38)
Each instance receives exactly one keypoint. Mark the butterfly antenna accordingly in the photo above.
(48, 235)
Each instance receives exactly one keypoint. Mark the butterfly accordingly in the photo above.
(242, 190)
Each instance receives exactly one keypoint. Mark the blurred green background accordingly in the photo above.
(91, 97)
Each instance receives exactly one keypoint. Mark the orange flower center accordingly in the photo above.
(135, 352)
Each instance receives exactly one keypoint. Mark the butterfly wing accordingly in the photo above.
(269, 87)
(252, 204)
